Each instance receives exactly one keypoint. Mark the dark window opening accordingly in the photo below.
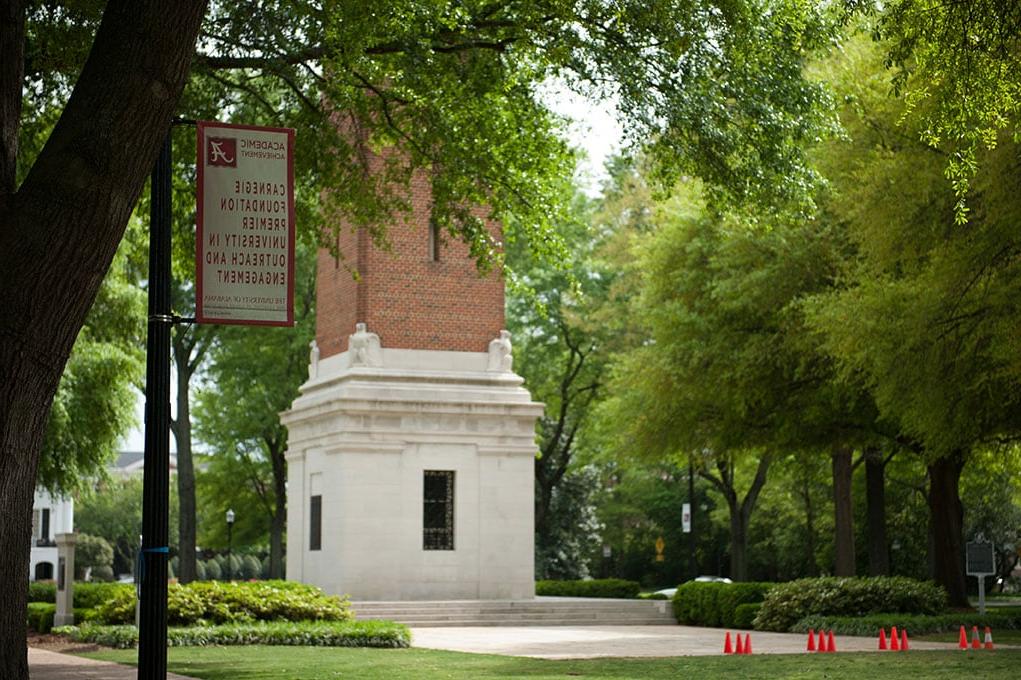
(438, 510)
(44, 531)
(44, 571)
(434, 241)
(315, 539)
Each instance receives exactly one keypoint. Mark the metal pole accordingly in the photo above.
(230, 533)
(982, 595)
(692, 565)
(152, 559)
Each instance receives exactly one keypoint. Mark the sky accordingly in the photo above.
(593, 128)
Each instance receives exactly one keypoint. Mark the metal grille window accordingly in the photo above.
(315, 539)
(438, 510)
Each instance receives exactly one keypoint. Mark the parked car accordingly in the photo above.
(669, 592)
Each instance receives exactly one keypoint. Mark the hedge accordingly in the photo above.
(41, 614)
(217, 602)
(305, 633)
(606, 587)
(715, 604)
(1005, 618)
(86, 594)
(788, 603)
(744, 615)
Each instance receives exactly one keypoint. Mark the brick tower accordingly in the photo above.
(411, 446)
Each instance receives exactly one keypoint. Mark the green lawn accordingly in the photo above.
(315, 663)
(1006, 637)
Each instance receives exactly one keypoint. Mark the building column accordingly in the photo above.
(65, 580)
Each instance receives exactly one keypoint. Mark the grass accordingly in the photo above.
(1005, 637)
(308, 663)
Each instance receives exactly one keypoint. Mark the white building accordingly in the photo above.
(411, 449)
(50, 516)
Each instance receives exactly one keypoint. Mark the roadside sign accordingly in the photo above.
(244, 254)
(686, 518)
(980, 559)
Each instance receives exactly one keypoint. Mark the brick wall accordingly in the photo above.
(409, 300)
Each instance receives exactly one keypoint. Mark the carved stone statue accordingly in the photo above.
(364, 348)
(313, 360)
(500, 357)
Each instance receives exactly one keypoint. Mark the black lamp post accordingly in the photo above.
(230, 531)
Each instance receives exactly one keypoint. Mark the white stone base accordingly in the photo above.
(362, 436)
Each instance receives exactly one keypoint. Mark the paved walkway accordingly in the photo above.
(565, 642)
(46, 665)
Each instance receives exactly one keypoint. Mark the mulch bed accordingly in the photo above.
(59, 643)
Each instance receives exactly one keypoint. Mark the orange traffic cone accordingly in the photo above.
(962, 641)
(904, 640)
(748, 643)
(728, 648)
(811, 641)
(831, 644)
(822, 642)
(894, 639)
(882, 638)
(975, 644)
(740, 645)
(989, 638)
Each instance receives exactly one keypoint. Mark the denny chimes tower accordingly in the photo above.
(412, 445)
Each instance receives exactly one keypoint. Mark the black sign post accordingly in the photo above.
(152, 559)
(981, 562)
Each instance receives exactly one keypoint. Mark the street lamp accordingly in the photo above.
(230, 531)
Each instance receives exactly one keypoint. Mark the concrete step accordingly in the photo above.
(538, 612)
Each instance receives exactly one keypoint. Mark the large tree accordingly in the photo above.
(928, 313)
(452, 85)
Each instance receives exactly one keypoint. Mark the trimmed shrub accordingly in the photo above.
(213, 571)
(715, 604)
(788, 603)
(250, 567)
(102, 573)
(216, 602)
(306, 633)
(42, 591)
(92, 595)
(744, 615)
(1005, 618)
(606, 587)
(200, 570)
(40, 616)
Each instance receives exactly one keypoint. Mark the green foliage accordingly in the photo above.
(113, 510)
(916, 624)
(250, 568)
(605, 587)
(92, 595)
(95, 402)
(715, 604)
(40, 616)
(216, 602)
(212, 570)
(744, 615)
(91, 551)
(42, 591)
(385, 634)
(788, 603)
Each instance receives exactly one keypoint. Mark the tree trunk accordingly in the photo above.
(60, 230)
(740, 510)
(843, 516)
(279, 525)
(875, 501)
(946, 515)
(738, 542)
(806, 495)
(186, 572)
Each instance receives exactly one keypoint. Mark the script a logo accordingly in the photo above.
(222, 151)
